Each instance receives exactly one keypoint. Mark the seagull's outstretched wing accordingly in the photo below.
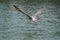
(39, 12)
(22, 12)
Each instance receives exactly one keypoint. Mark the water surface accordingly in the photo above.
(16, 26)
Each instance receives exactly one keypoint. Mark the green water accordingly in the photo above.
(16, 26)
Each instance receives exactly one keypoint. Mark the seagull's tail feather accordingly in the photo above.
(22, 11)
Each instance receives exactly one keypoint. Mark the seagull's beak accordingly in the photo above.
(38, 20)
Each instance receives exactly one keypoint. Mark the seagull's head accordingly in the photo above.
(35, 19)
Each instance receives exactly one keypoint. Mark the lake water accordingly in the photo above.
(16, 26)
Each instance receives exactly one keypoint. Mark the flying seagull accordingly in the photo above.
(34, 17)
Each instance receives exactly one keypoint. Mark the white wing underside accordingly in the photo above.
(39, 12)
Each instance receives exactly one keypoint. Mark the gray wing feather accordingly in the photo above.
(22, 12)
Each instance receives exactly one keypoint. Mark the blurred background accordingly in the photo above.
(16, 26)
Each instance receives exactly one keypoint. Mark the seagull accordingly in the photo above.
(34, 17)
